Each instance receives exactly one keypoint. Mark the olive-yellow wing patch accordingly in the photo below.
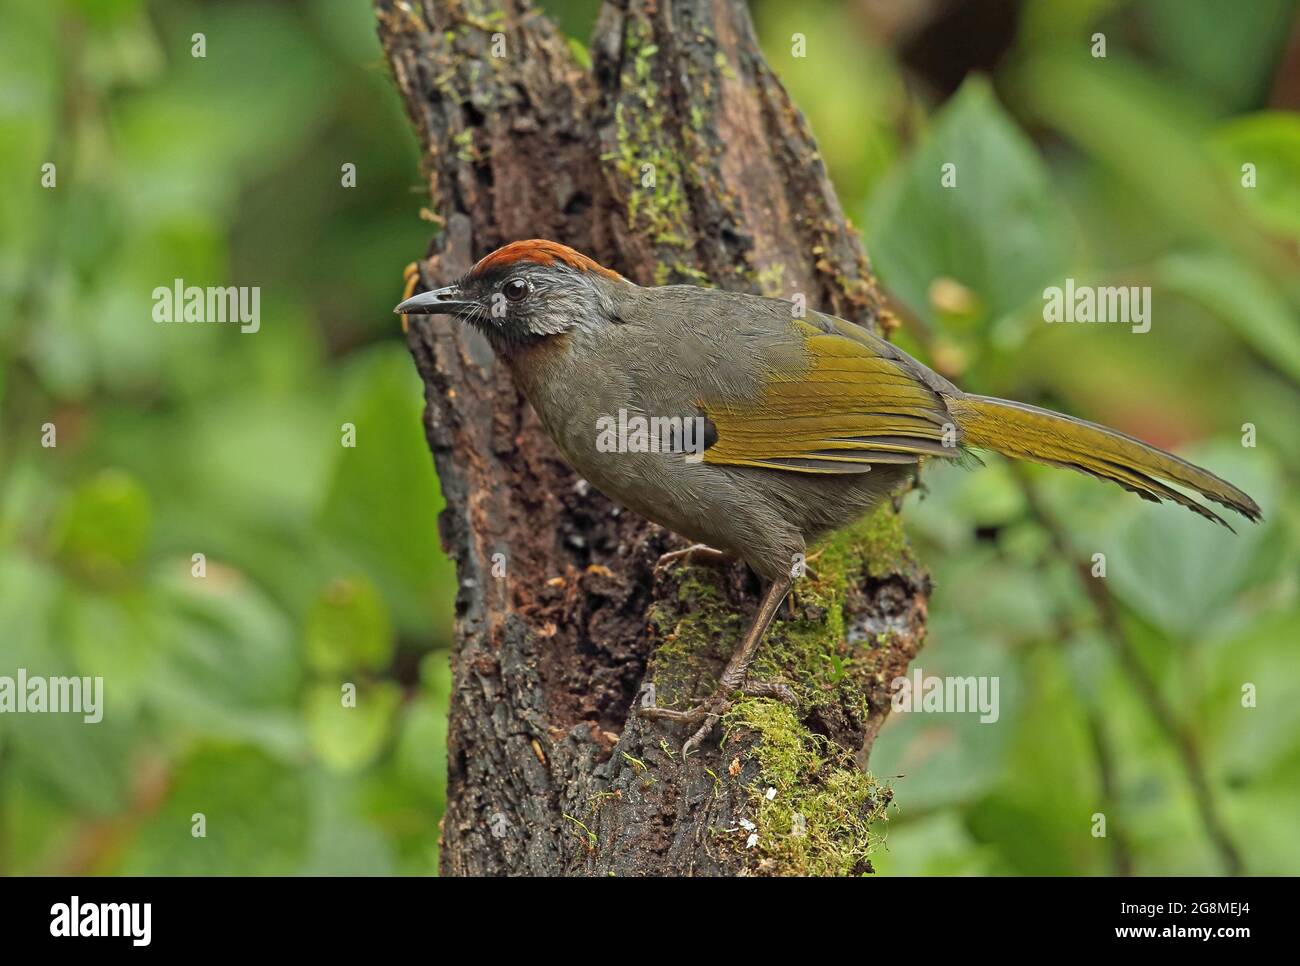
(856, 402)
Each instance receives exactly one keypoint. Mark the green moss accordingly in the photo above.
(875, 545)
(585, 835)
(810, 652)
(881, 543)
(656, 204)
(580, 53)
(694, 636)
(657, 207)
(465, 149)
(485, 20)
(819, 821)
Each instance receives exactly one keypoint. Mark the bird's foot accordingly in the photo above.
(709, 712)
(700, 552)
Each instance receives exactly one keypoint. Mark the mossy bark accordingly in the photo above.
(676, 156)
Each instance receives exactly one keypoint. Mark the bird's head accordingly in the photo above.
(526, 291)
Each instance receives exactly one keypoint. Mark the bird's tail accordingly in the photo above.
(1040, 435)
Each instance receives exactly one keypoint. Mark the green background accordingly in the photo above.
(323, 563)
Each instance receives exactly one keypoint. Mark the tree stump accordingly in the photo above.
(675, 156)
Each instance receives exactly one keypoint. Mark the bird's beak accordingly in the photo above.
(441, 301)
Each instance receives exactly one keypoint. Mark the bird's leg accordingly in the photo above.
(695, 552)
(733, 676)
(708, 712)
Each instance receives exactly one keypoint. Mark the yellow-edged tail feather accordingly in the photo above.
(1029, 433)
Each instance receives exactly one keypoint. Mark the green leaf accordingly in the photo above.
(935, 843)
(191, 138)
(1269, 140)
(114, 635)
(383, 501)
(255, 810)
(1186, 575)
(343, 843)
(944, 758)
(1242, 297)
(104, 528)
(232, 668)
(1229, 57)
(1037, 815)
(1151, 134)
(75, 763)
(1251, 740)
(958, 499)
(580, 53)
(28, 595)
(999, 233)
(347, 738)
(348, 627)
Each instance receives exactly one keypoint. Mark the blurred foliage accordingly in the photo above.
(226, 694)
(321, 562)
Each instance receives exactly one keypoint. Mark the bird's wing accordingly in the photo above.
(848, 401)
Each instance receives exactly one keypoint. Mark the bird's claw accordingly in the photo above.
(706, 714)
(709, 712)
(700, 552)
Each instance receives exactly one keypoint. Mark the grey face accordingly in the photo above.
(517, 304)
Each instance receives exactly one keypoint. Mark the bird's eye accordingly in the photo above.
(516, 289)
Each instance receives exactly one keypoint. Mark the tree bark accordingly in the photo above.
(675, 157)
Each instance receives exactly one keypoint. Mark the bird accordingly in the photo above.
(753, 426)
